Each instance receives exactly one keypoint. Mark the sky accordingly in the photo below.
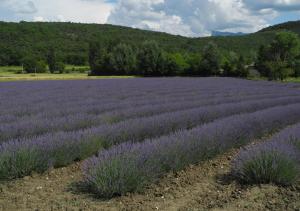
(193, 18)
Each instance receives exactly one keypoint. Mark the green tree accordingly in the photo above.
(276, 60)
(123, 60)
(33, 65)
(60, 67)
(52, 59)
(55, 62)
(194, 62)
(211, 60)
(99, 59)
(177, 64)
(151, 61)
(229, 65)
(242, 70)
(296, 67)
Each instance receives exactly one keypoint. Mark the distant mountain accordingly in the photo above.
(226, 34)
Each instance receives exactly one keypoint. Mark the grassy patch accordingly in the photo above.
(9, 73)
(294, 80)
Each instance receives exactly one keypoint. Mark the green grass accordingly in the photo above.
(9, 69)
(9, 74)
(294, 80)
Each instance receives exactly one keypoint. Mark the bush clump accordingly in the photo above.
(276, 161)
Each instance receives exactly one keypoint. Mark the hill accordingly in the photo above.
(293, 26)
(72, 40)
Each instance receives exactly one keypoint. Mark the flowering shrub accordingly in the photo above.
(275, 161)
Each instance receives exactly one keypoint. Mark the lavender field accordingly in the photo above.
(130, 133)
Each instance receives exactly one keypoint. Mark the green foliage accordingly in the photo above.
(277, 60)
(54, 62)
(21, 163)
(229, 64)
(113, 50)
(60, 67)
(101, 183)
(123, 60)
(151, 59)
(270, 167)
(33, 65)
(99, 59)
(76, 59)
(18, 40)
(211, 60)
(296, 67)
(194, 62)
(177, 64)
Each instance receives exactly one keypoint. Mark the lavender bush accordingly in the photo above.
(275, 161)
(54, 123)
(132, 166)
(66, 147)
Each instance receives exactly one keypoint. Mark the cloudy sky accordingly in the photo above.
(183, 17)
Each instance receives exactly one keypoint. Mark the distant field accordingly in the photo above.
(11, 73)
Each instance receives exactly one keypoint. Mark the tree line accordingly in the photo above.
(277, 60)
(274, 60)
(150, 59)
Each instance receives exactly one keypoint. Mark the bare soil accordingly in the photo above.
(206, 186)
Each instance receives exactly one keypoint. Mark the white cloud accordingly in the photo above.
(199, 17)
(86, 11)
(74, 10)
(39, 19)
(189, 17)
(183, 17)
(279, 5)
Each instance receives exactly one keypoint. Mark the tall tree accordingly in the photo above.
(123, 60)
(151, 61)
(99, 59)
(211, 60)
(52, 60)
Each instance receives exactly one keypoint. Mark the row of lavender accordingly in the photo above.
(78, 110)
(38, 126)
(275, 161)
(58, 98)
(130, 166)
(45, 124)
(88, 113)
(23, 156)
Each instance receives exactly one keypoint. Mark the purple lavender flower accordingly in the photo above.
(275, 161)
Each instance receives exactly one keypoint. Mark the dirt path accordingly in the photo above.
(200, 187)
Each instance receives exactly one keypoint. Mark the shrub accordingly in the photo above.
(60, 67)
(22, 162)
(153, 158)
(33, 65)
(267, 166)
(276, 161)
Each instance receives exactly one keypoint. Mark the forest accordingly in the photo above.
(116, 50)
